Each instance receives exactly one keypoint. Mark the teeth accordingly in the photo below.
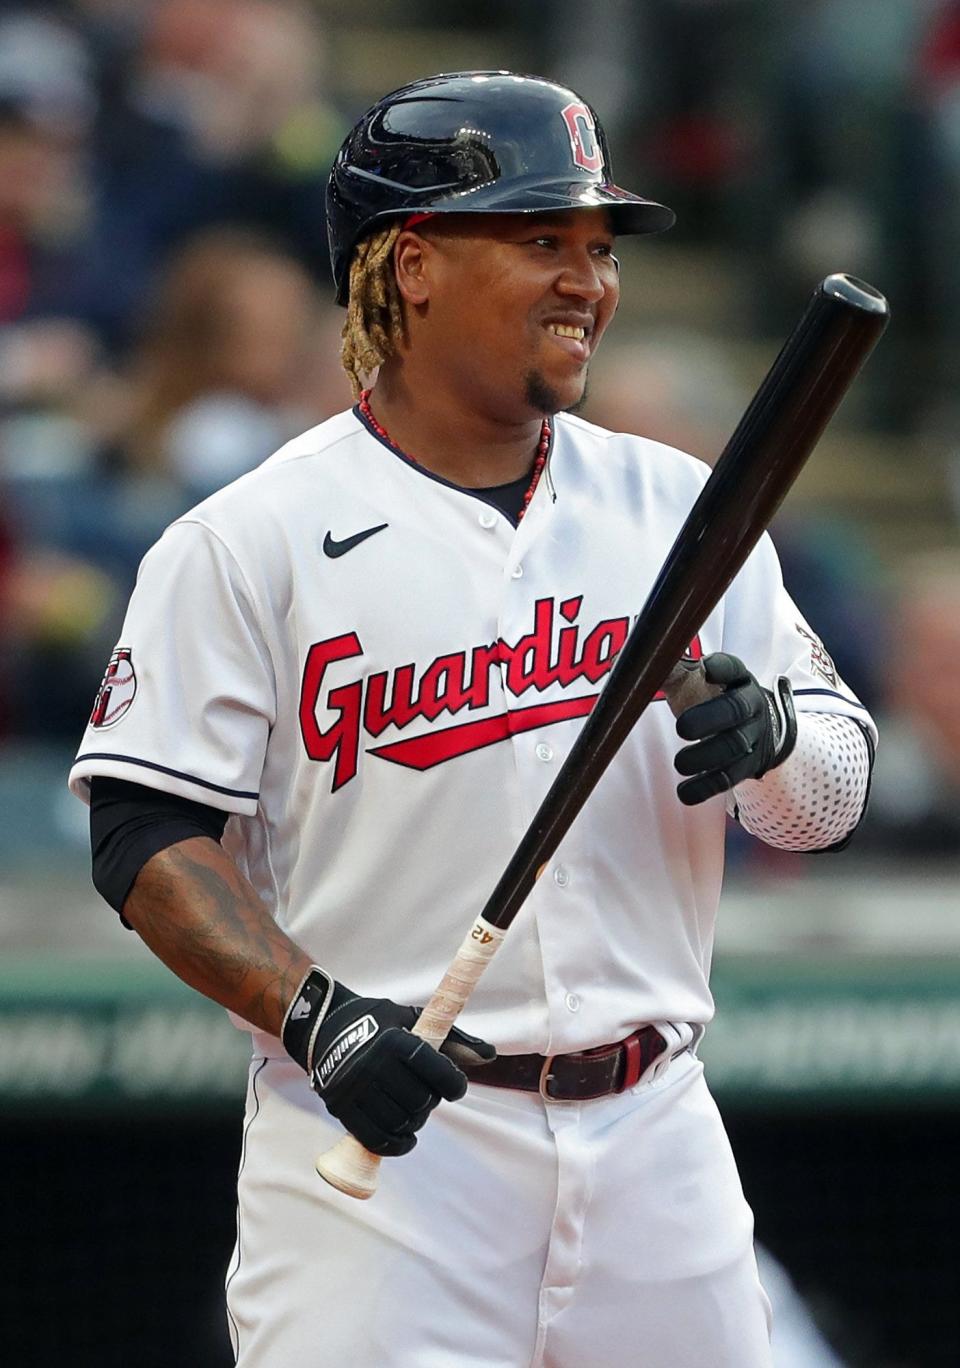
(564, 330)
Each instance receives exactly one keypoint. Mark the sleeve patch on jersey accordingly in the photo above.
(117, 690)
(821, 662)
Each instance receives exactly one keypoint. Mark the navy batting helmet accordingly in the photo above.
(474, 142)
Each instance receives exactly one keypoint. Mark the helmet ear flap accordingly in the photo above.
(474, 142)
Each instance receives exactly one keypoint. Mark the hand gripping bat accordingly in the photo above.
(782, 424)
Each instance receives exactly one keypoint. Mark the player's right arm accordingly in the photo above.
(194, 909)
(192, 906)
(183, 719)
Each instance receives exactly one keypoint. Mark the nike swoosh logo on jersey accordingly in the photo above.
(340, 548)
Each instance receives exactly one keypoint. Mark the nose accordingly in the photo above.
(586, 276)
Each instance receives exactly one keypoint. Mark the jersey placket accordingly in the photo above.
(530, 578)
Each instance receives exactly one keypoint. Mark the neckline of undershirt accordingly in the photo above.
(501, 497)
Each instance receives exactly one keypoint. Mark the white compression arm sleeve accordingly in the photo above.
(816, 797)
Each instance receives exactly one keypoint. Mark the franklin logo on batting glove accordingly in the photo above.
(340, 1051)
(373, 1037)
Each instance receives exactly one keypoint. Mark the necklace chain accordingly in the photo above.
(540, 460)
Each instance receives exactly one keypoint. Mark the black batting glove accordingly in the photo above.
(378, 1080)
(741, 734)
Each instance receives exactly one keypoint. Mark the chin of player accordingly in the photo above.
(548, 393)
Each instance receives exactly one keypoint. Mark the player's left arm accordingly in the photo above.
(797, 781)
(787, 741)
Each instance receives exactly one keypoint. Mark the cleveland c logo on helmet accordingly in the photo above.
(583, 136)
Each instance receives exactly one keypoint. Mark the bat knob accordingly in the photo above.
(350, 1168)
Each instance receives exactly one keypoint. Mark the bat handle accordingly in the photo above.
(349, 1166)
(686, 685)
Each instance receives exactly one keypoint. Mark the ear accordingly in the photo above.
(411, 262)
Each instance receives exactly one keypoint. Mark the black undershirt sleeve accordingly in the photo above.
(129, 823)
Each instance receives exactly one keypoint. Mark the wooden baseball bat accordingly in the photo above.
(782, 424)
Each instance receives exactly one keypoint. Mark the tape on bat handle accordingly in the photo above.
(687, 685)
(349, 1166)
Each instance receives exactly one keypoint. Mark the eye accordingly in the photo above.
(605, 251)
(544, 240)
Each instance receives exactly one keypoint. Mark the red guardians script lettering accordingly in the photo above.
(453, 684)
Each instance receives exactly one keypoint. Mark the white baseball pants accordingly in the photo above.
(518, 1234)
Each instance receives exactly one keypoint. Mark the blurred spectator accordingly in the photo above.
(236, 357)
(225, 370)
(6, 564)
(854, 178)
(672, 75)
(705, 132)
(679, 389)
(915, 805)
(840, 586)
(47, 104)
(220, 118)
(55, 624)
(938, 223)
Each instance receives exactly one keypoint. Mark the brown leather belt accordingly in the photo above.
(576, 1077)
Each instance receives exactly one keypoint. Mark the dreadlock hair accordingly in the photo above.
(374, 322)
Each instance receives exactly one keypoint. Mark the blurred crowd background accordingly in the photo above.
(166, 322)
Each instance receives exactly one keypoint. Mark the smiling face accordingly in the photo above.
(508, 309)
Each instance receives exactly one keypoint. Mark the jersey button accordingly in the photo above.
(543, 751)
(488, 519)
(572, 1002)
(560, 877)
(517, 572)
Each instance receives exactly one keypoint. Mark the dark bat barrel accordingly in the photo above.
(796, 400)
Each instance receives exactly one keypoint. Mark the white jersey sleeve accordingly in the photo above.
(188, 697)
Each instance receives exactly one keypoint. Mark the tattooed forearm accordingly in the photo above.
(196, 911)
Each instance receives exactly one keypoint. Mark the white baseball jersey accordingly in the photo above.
(378, 676)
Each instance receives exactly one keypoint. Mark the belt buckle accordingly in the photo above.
(545, 1077)
(639, 1064)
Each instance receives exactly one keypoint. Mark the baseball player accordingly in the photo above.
(343, 687)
